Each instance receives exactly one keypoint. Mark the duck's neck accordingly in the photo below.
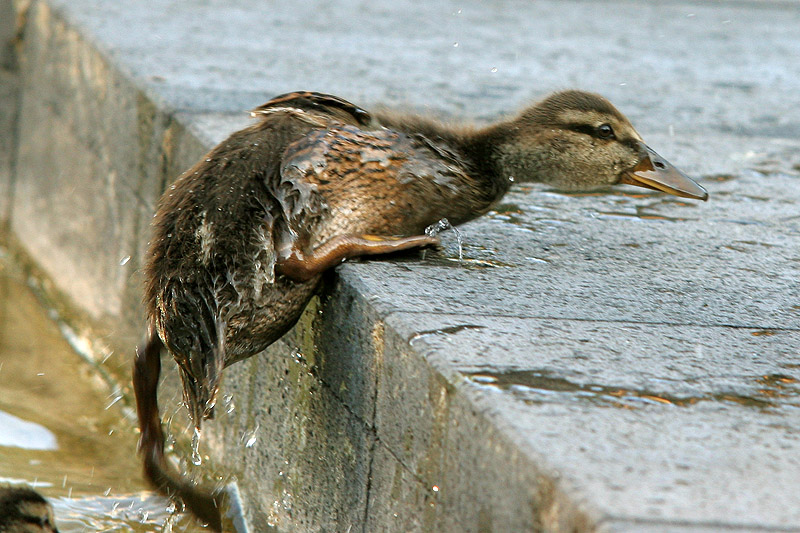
(480, 150)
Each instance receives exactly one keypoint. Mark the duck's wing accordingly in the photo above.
(376, 180)
(313, 104)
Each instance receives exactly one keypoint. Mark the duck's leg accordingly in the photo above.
(146, 371)
(301, 266)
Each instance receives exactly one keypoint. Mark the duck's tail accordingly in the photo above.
(201, 375)
(162, 476)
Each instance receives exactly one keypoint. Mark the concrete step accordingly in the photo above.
(616, 362)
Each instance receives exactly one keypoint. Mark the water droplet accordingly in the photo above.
(455, 44)
(287, 500)
(113, 401)
(229, 404)
(124, 260)
(298, 357)
(249, 438)
(460, 242)
(494, 69)
(272, 517)
(196, 459)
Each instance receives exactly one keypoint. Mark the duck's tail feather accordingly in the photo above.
(201, 384)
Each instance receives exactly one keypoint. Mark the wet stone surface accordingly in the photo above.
(654, 421)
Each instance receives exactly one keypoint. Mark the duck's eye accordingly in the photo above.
(605, 131)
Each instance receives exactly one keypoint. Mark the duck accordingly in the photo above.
(23, 510)
(241, 239)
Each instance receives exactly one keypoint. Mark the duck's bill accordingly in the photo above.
(655, 172)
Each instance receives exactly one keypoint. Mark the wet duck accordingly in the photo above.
(241, 239)
(23, 510)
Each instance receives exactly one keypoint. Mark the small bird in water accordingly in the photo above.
(23, 510)
(241, 239)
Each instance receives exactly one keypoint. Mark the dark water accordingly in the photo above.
(62, 432)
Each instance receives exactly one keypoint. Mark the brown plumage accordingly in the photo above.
(23, 510)
(240, 240)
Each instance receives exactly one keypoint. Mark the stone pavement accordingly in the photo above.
(623, 362)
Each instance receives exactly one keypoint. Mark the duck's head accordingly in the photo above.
(574, 140)
(24, 510)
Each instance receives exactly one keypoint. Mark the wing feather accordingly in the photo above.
(375, 180)
(314, 106)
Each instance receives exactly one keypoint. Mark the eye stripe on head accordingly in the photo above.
(603, 131)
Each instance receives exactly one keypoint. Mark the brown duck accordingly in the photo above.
(23, 510)
(241, 239)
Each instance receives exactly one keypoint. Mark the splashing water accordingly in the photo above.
(172, 516)
(85, 469)
(137, 512)
(434, 229)
(196, 459)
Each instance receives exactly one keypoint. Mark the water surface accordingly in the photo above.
(62, 432)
